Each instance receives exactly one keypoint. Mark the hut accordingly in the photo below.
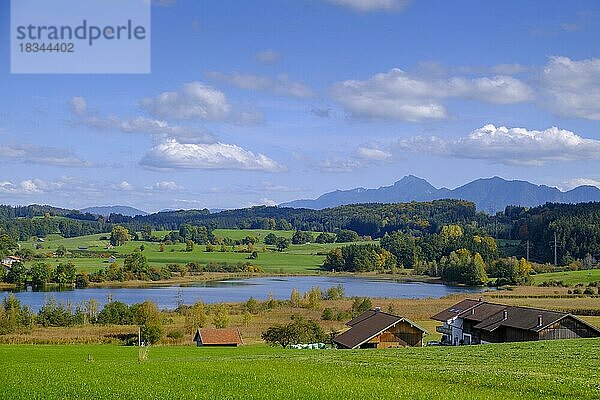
(380, 330)
(218, 337)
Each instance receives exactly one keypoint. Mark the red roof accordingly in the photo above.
(211, 336)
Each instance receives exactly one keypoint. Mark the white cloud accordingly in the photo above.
(509, 146)
(267, 56)
(78, 105)
(266, 202)
(171, 154)
(167, 186)
(196, 101)
(29, 187)
(337, 165)
(41, 155)
(573, 183)
(499, 89)
(282, 85)
(369, 153)
(124, 185)
(397, 95)
(372, 5)
(572, 88)
(140, 125)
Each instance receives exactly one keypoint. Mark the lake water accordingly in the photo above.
(238, 290)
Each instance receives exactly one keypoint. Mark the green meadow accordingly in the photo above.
(537, 370)
(570, 277)
(305, 258)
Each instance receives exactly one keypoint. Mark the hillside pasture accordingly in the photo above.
(306, 258)
(570, 277)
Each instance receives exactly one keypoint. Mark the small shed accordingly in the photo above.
(218, 337)
(380, 330)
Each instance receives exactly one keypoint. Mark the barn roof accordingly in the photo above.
(368, 325)
(455, 310)
(211, 336)
(490, 316)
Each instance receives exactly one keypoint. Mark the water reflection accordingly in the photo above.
(238, 290)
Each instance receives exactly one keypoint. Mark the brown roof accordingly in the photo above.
(455, 310)
(482, 311)
(368, 325)
(210, 336)
(490, 316)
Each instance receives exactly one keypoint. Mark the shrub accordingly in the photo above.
(299, 330)
(328, 315)
(117, 313)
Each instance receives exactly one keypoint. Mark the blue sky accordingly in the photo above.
(261, 102)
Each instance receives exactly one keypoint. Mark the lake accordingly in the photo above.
(239, 290)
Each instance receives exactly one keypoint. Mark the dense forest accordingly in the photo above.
(577, 227)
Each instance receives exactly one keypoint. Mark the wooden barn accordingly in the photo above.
(218, 337)
(480, 322)
(380, 330)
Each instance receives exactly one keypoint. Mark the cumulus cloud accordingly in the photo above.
(196, 101)
(572, 88)
(41, 155)
(29, 187)
(78, 105)
(167, 186)
(398, 95)
(141, 125)
(282, 85)
(369, 153)
(124, 185)
(509, 146)
(171, 154)
(267, 56)
(372, 5)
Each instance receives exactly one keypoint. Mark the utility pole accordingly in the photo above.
(555, 257)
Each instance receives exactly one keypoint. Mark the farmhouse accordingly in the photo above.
(8, 261)
(218, 337)
(480, 322)
(380, 330)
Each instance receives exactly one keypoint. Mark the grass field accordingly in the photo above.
(538, 370)
(570, 277)
(296, 259)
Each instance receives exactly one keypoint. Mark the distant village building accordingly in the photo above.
(380, 330)
(218, 337)
(10, 260)
(111, 259)
(480, 322)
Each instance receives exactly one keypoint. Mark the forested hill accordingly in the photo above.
(366, 219)
(374, 220)
(577, 228)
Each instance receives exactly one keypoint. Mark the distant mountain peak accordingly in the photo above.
(489, 194)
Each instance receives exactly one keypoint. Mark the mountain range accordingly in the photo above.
(107, 210)
(489, 194)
